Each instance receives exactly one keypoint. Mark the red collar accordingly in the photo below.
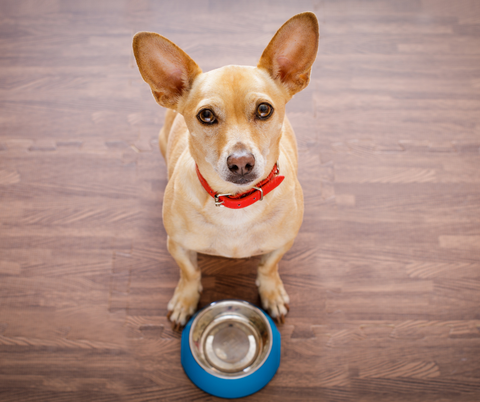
(247, 198)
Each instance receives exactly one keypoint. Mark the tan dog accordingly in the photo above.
(231, 124)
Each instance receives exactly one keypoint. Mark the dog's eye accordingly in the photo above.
(206, 116)
(264, 111)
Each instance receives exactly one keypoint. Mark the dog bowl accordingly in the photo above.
(230, 349)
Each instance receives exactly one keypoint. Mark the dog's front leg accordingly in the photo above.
(187, 293)
(274, 297)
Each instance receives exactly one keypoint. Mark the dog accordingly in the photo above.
(231, 155)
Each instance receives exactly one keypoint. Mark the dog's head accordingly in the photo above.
(234, 114)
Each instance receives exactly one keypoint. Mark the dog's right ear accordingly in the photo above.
(168, 70)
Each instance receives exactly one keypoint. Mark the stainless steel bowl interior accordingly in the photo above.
(230, 339)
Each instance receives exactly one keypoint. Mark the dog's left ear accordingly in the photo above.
(289, 56)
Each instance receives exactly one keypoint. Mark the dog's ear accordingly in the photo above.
(165, 67)
(289, 56)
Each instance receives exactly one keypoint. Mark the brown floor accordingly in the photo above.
(385, 274)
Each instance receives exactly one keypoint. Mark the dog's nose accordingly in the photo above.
(241, 164)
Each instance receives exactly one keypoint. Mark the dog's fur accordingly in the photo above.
(233, 94)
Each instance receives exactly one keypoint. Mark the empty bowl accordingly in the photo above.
(230, 349)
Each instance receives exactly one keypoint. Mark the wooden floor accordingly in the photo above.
(384, 277)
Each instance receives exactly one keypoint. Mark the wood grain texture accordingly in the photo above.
(384, 277)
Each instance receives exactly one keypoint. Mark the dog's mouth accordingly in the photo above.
(242, 180)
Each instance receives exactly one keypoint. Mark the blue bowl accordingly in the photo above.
(230, 349)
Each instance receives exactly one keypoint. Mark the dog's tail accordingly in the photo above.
(165, 131)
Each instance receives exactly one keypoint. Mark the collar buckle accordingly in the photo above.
(218, 201)
(261, 192)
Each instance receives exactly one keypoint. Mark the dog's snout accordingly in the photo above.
(241, 164)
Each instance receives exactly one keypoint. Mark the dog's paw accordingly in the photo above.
(183, 303)
(274, 297)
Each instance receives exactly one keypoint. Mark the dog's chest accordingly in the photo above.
(238, 247)
(236, 233)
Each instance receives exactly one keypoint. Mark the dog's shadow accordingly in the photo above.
(225, 278)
